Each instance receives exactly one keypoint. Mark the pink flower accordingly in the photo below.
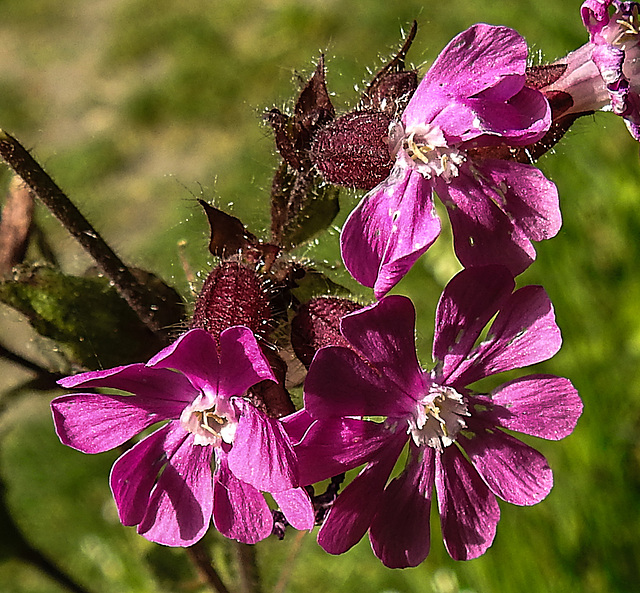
(471, 101)
(164, 483)
(604, 73)
(456, 436)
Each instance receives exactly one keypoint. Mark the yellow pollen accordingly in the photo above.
(417, 151)
(631, 26)
(434, 411)
(205, 417)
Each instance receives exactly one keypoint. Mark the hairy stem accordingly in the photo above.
(138, 297)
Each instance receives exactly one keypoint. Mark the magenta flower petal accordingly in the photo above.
(526, 195)
(595, 14)
(467, 304)
(481, 60)
(135, 472)
(240, 511)
(439, 415)
(483, 234)
(603, 74)
(513, 471)
(160, 384)
(352, 512)
(539, 405)
(164, 483)
(389, 230)
(93, 423)
(262, 454)
(399, 532)
(243, 361)
(362, 390)
(469, 512)
(194, 354)
(180, 505)
(296, 506)
(472, 99)
(391, 348)
(521, 120)
(524, 333)
(334, 445)
(490, 118)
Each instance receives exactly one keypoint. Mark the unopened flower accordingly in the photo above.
(455, 435)
(471, 102)
(164, 484)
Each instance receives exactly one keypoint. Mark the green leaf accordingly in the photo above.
(315, 283)
(93, 326)
(302, 206)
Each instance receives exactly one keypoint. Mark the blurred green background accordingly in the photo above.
(138, 107)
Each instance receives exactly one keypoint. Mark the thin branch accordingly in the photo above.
(34, 557)
(140, 299)
(289, 564)
(15, 225)
(24, 551)
(202, 561)
(26, 363)
(247, 568)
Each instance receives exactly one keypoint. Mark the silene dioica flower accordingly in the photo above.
(472, 102)
(366, 401)
(603, 73)
(164, 484)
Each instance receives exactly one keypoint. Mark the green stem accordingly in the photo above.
(142, 301)
(247, 568)
(24, 362)
(202, 561)
(52, 571)
(289, 564)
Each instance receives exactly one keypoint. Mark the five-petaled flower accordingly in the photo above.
(164, 483)
(455, 435)
(471, 100)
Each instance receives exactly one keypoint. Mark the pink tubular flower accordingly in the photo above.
(457, 442)
(604, 73)
(472, 100)
(164, 483)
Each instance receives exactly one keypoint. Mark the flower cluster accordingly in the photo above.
(466, 132)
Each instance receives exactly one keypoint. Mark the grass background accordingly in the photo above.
(138, 107)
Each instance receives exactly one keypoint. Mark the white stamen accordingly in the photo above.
(210, 425)
(438, 418)
(425, 149)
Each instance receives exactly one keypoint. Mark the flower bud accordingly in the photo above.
(232, 295)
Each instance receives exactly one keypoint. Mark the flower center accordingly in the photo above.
(211, 424)
(629, 23)
(425, 149)
(438, 418)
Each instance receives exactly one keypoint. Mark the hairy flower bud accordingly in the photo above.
(232, 295)
(317, 324)
(353, 150)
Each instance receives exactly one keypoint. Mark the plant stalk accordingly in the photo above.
(141, 300)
